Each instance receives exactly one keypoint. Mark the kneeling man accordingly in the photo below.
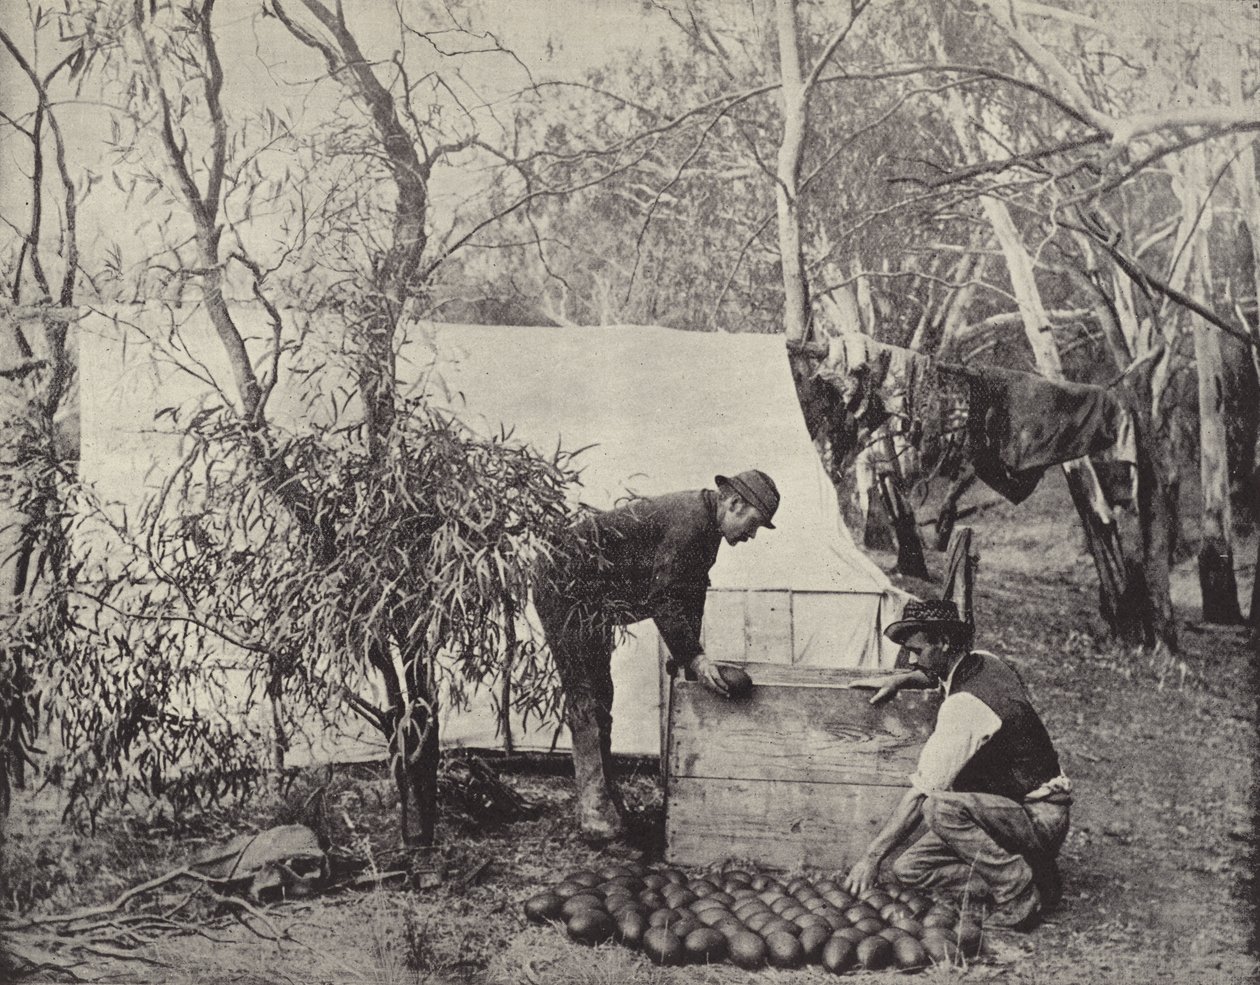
(988, 786)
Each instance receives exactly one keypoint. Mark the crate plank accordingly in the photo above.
(808, 675)
(780, 824)
(808, 734)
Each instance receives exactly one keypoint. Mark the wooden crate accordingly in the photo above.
(803, 772)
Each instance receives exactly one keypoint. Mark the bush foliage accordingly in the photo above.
(275, 572)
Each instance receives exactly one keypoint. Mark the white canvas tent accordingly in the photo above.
(660, 409)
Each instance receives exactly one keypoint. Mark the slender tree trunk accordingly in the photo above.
(1247, 187)
(418, 778)
(1217, 583)
(956, 316)
(1156, 530)
(279, 738)
(791, 153)
(505, 686)
(1216, 555)
(1254, 615)
(948, 515)
(413, 745)
(1125, 336)
(910, 560)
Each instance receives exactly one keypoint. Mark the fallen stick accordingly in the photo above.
(257, 914)
(118, 954)
(94, 912)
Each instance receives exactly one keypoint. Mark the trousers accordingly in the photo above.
(580, 636)
(980, 844)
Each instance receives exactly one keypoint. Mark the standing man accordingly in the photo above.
(988, 785)
(647, 559)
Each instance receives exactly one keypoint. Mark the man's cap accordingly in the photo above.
(756, 489)
(935, 615)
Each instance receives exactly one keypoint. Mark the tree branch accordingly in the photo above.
(44, 111)
(1003, 12)
(836, 40)
(203, 210)
(1146, 280)
(214, 89)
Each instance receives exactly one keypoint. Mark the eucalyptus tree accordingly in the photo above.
(326, 526)
(1065, 128)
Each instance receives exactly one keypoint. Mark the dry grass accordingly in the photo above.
(1158, 865)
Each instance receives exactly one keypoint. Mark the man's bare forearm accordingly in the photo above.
(902, 821)
(886, 685)
(897, 828)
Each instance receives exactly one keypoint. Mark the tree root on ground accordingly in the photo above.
(62, 944)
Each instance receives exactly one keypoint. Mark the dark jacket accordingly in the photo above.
(1020, 757)
(649, 559)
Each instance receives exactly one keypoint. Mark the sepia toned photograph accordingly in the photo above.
(667, 492)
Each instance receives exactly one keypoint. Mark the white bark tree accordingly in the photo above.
(1122, 604)
(795, 90)
(1217, 583)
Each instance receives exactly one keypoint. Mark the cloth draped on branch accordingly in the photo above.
(1009, 426)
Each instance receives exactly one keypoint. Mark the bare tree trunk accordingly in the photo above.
(969, 272)
(1247, 188)
(910, 560)
(1156, 529)
(505, 687)
(948, 515)
(279, 738)
(1124, 336)
(1217, 584)
(1216, 555)
(791, 153)
(409, 724)
(418, 778)
(1254, 615)
(796, 301)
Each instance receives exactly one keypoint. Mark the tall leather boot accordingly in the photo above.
(598, 817)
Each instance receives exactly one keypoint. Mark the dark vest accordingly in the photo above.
(1020, 757)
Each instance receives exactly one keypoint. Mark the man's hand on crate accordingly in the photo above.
(707, 673)
(887, 685)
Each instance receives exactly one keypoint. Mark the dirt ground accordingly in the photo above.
(1157, 868)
